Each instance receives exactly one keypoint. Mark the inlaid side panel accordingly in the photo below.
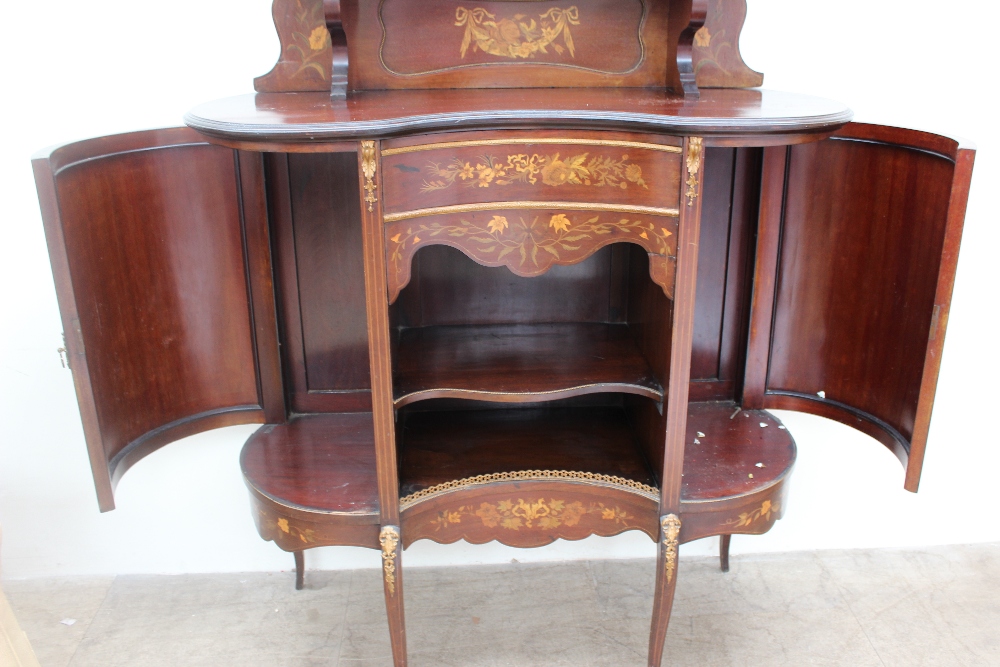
(306, 60)
(146, 237)
(716, 48)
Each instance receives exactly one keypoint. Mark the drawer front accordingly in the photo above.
(529, 512)
(529, 240)
(459, 170)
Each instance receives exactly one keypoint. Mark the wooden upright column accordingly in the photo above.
(677, 394)
(377, 306)
(772, 195)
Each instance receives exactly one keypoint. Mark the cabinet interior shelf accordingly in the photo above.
(442, 446)
(520, 362)
(325, 463)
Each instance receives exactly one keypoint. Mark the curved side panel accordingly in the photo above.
(294, 530)
(148, 443)
(146, 236)
(867, 423)
(869, 242)
(752, 514)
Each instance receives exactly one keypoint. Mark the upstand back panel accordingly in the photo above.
(518, 314)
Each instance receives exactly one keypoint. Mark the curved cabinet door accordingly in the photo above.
(159, 249)
(870, 228)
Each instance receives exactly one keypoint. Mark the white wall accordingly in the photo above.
(82, 69)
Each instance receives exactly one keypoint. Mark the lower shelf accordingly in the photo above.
(474, 475)
(440, 447)
(528, 477)
(316, 463)
(312, 481)
(729, 452)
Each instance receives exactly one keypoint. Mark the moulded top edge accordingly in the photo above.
(313, 117)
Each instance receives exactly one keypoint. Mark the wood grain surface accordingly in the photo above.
(395, 44)
(146, 233)
(747, 117)
(520, 363)
(857, 332)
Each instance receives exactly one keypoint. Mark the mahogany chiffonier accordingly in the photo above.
(514, 271)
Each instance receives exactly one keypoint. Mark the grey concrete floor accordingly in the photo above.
(912, 608)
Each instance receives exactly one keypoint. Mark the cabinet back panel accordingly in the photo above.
(326, 237)
(449, 288)
(728, 213)
(712, 255)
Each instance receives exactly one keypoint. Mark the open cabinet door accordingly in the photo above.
(865, 258)
(158, 243)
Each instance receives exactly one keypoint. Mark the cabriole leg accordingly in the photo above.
(300, 570)
(666, 583)
(724, 541)
(392, 582)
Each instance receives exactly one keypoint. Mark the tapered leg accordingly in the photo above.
(392, 583)
(666, 583)
(724, 551)
(300, 570)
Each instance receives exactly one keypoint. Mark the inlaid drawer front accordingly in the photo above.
(523, 510)
(421, 178)
(529, 240)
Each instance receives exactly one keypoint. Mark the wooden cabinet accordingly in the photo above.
(468, 310)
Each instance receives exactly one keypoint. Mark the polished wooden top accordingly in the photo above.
(746, 117)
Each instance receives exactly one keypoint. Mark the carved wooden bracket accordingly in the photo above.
(313, 49)
(530, 241)
(716, 52)
(692, 15)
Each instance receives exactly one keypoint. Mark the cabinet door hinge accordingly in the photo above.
(64, 354)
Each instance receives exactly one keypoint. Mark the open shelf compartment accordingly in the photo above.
(520, 362)
(466, 331)
(438, 447)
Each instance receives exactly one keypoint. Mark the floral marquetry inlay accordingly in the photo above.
(530, 514)
(519, 36)
(306, 49)
(307, 536)
(529, 244)
(551, 170)
(764, 512)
